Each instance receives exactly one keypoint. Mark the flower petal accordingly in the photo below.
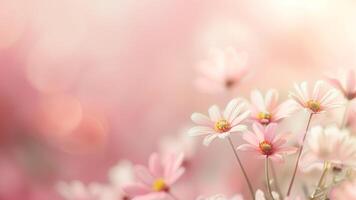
(201, 119)
(136, 189)
(200, 130)
(208, 139)
(258, 101)
(143, 175)
(214, 113)
(155, 166)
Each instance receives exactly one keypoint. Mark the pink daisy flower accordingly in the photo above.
(317, 101)
(220, 124)
(266, 109)
(223, 70)
(345, 81)
(265, 143)
(155, 182)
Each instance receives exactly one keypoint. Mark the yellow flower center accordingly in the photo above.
(159, 185)
(314, 105)
(264, 117)
(266, 148)
(222, 126)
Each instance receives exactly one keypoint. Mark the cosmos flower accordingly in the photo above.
(332, 145)
(220, 124)
(155, 182)
(317, 101)
(223, 70)
(265, 143)
(266, 109)
(345, 81)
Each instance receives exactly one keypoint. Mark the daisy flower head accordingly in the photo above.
(265, 143)
(345, 81)
(224, 69)
(155, 182)
(318, 100)
(330, 144)
(265, 109)
(220, 124)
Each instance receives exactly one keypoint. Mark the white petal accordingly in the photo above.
(200, 130)
(214, 113)
(208, 139)
(238, 128)
(230, 108)
(201, 119)
(257, 100)
(240, 118)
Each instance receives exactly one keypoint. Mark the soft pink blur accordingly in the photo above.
(89, 82)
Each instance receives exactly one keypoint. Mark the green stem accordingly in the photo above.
(242, 168)
(267, 178)
(299, 155)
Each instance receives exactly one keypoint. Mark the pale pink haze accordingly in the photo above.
(345, 81)
(346, 190)
(223, 70)
(155, 182)
(220, 124)
(265, 109)
(264, 142)
(318, 100)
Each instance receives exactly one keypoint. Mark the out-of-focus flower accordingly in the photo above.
(346, 190)
(266, 109)
(121, 174)
(155, 181)
(178, 143)
(332, 145)
(220, 125)
(345, 81)
(223, 70)
(317, 101)
(265, 143)
(76, 190)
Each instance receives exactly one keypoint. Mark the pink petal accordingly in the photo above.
(284, 110)
(248, 148)
(251, 138)
(173, 164)
(214, 113)
(317, 90)
(208, 139)
(136, 189)
(175, 176)
(200, 130)
(287, 150)
(143, 175)
(155, 165)
(336, 83)
(271, 99)
(259, 131)
(350, 81)
(257, 100)
(297, 99)
(277, 158)
(270, 132)
(201, 119)
(153, 196)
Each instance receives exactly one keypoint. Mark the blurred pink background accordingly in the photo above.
(87, 83)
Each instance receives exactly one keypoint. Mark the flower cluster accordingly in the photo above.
(258, 124)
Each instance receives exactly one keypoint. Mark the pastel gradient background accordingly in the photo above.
(86, 83)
